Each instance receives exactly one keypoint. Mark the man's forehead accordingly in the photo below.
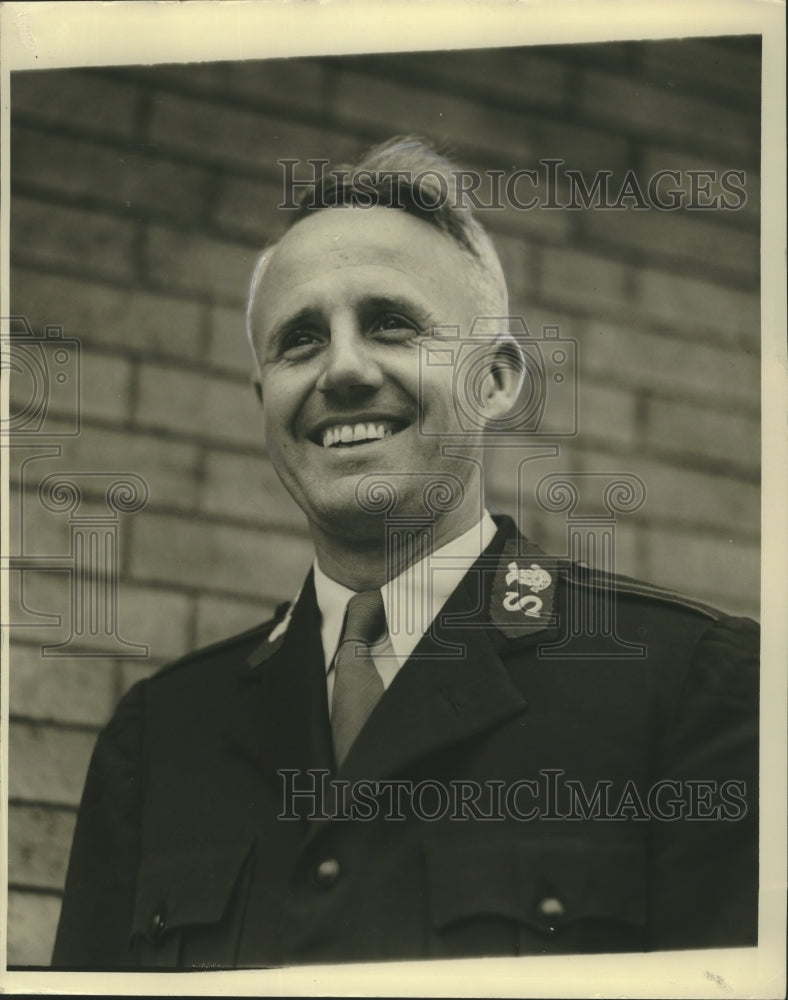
(357, 255)
(338, 237)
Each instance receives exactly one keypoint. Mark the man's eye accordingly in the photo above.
(394, 324)
(300, 341)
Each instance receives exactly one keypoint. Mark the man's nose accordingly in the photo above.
(349, 363)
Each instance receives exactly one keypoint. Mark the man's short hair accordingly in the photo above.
(406, 173)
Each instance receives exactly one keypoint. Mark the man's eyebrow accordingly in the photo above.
(306, 314)
(396, 304)
(281, 326)
(367, 306)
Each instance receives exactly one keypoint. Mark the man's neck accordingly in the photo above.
(364, 563)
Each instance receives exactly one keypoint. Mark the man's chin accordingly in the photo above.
(348, 521)
(360, 510)
(356, 505)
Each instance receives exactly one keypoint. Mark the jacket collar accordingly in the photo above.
(512, 586)
(454, 686)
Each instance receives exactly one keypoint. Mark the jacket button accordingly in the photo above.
(327, 872)
(157, 924)
(552, 910)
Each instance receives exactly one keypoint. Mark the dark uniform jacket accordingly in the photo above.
(576, 759)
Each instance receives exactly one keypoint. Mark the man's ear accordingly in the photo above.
(503, 383)
(258, 386)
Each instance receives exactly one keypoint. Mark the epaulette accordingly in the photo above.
(274, 638)
(262, 631)
(585, 576)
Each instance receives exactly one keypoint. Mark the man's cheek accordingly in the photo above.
(274, 438)
(436, 394)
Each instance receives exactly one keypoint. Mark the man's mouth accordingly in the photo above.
(350, 435)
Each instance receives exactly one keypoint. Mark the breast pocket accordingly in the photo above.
(517, 895)
(189, 905)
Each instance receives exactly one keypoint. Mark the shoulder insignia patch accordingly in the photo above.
(523, 590)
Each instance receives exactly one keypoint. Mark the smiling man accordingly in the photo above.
(431, 751)
(339, 312)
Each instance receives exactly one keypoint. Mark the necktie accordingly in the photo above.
(357, 684)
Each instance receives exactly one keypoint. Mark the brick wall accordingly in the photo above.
(141, 198)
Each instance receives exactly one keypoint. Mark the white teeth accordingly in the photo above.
(351, 433)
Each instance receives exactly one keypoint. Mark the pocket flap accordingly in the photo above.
(185, 886)
(543, 882)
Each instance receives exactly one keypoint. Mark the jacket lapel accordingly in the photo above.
(455, 685)
(433, 703)
(278, 716)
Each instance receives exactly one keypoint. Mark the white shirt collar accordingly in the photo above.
(413, 599)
